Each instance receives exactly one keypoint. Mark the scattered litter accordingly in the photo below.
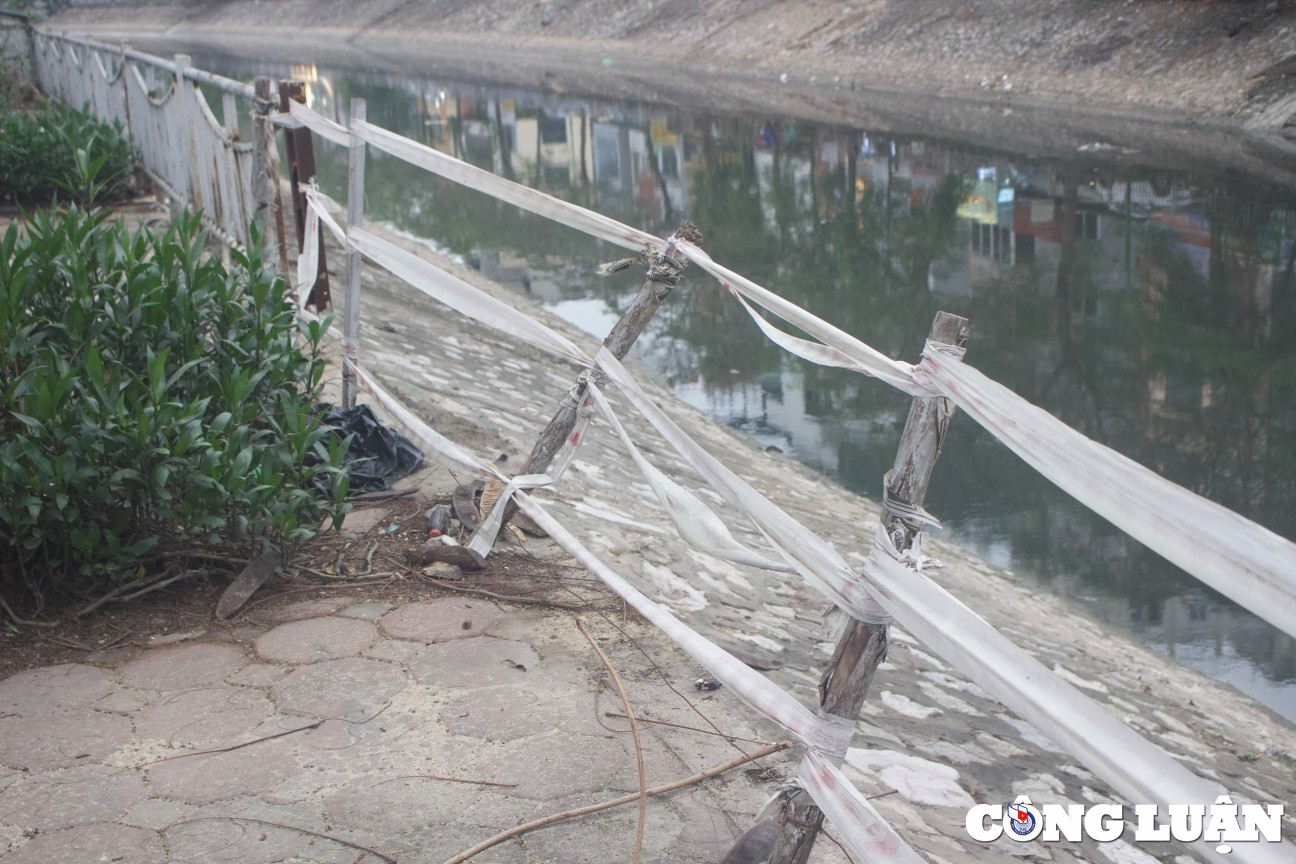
(438, 521)
(706, 684)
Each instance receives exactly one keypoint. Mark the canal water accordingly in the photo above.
(1151, 307)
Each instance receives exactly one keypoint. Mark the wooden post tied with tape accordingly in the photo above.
(664, 273)
(863, 647)
(301, 169)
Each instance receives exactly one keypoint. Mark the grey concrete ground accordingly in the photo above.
(408, 696)
(416, 730)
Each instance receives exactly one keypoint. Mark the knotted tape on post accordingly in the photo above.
(894, 504)
(665, 268)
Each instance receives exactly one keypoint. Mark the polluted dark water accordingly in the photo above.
(1150, 304)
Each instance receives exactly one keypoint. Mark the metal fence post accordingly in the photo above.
(863, 647)
(301, 168)
(354, 260)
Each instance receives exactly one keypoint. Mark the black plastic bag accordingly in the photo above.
(378, 455)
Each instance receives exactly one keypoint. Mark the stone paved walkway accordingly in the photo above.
(379, 712)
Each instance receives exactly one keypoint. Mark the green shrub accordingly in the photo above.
(58, 151)
(148, 393)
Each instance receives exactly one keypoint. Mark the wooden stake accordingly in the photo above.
(663, 275)
(863, 647)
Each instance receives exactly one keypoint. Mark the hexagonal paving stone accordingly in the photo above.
(99, 842)
(62, 740)
(316, 639)
(204, 718)
(217, 834)
(439, 620)
(353, 688)
(391, 806)
(75, 796)
(499, 714)
(480, 662)
(181, 666)
(555, 764)
(210, 777)
(71, 685)
(299, 611)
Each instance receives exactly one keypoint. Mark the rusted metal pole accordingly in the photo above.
(301, 169)
(664, 272)
(354, 260)
(863, 647)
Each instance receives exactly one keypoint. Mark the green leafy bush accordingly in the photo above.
(58, 151)
(148, 393)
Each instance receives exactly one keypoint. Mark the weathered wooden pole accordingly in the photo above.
(863, 647)
(301, 169)
(664, 272)
(354, 260)
(262, 143)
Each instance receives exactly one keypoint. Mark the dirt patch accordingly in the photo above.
(373, 568)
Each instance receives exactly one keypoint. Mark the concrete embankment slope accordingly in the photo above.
(1184, 59)
(926, 731)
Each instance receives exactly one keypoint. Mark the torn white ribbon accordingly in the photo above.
(695, 523)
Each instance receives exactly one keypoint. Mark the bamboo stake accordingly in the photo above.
(863, 647)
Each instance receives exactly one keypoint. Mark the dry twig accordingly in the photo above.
(617, 802)
(234, 747)
(634, 733)
(447, 779)
(23, 622)
(329, 837)
(507, 598)
(680, 726)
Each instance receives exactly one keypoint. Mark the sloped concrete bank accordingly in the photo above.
(1177, 59)
(926, 732)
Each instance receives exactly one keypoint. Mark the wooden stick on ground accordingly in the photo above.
(23, 622)
(617, 802)
(634, 733)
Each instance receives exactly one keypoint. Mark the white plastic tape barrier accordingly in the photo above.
(318, 123)
(861, 827)
(1247, 563)
(308, 260)
(865, 359)
(816, 561)
(827, 733)
(446, 289)
(464, 174)
(1135, 767)
(694, 521)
